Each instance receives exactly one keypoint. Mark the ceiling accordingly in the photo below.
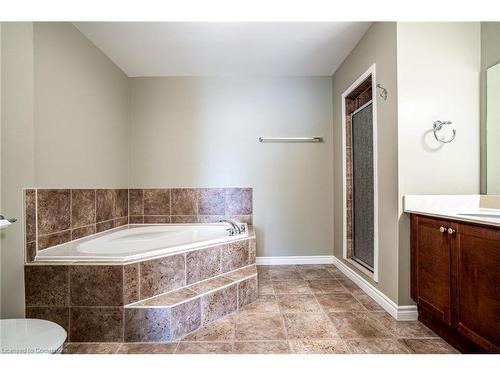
(144, 49)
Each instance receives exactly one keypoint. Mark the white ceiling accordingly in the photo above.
(225, 49)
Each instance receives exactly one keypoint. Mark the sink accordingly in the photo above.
(483, 214)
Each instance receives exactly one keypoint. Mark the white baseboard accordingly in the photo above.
(273, 261)
(408, 312)
(403, 312)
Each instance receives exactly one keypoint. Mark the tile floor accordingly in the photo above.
(301, 309)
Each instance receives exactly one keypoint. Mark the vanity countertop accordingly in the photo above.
(472, 208)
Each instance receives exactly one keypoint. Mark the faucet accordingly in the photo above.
(235, 227)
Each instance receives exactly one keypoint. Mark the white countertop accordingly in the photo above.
(465, 208)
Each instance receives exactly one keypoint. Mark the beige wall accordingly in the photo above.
(378, 46)
(17, 167)
(65, 123)
(81, 105)
(195, 132)
(490, 55)
(438, 79)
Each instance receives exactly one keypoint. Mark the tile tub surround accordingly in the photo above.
(90, 301)
(261, 327)
(189, 205)
(56, 216)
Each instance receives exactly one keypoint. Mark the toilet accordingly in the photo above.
(31, 336)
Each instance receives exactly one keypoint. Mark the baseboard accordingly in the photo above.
(273, 261)
(403, 312)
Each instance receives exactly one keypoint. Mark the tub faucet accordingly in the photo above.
(235, 227)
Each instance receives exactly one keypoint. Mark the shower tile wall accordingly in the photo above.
(56, 216)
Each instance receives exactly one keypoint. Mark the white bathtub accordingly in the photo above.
(137, 242)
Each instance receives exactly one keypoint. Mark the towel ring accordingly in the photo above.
(437, 126)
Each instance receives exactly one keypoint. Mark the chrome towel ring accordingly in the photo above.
(438, 125)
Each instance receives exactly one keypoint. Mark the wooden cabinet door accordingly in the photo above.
(431, 266)
(477, 292)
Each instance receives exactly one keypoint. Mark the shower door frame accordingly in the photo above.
(370, 72)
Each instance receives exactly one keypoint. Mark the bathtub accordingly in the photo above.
(137, 242)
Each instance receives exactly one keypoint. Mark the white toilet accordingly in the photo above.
(31, 336)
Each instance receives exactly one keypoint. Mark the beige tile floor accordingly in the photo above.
(301, 309)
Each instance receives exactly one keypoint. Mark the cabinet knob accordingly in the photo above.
(451, 231)
(442, 229)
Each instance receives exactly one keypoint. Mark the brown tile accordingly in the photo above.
(259, 327)
(247, 291)
(248, 219)
(311, 267)
(204, 348)
(312, 346)
(239, 201)
(242, 273)
(309, 326)
(30, 214)
(130, 283)
(30, 252)
(211, 201)
(96, 324)
(261, 347)
(339, 302)
(210, 218)
(82, 207)
(105, 225)
(234, 255)
(403, 329)
(264, 304)
(155, 219)
(184, 202)
(136, 202)
(208, 285)
(335, 272)
(291, 287)
(53, 239)
(147, 325)
(295, 303)
(326, 286)
(350, 285)
(202, 264)
(429, 346)
(82, 232)
(105, 201)
(162, 275)
(46, 285)
(186, 318)
(252, 251)
(184, 219)
(169, 299)
(90, 348)
(220, 330)
(265, 287)
(351, 325)
(59, 315)
(285, 273)
(147, 348)
(367, 301)
(218, 304)
(156, 202)
(120, 222)
(377, 346)
(137, 219)
(96, 285)
(316, 274)
(53, 210)
(120, 203)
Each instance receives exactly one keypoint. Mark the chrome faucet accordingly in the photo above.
(235, 227)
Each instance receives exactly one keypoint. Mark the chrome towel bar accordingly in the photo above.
(291, 139)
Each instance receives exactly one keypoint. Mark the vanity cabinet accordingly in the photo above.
(455, 280)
